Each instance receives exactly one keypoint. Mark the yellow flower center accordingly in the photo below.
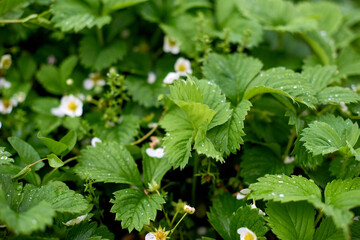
(6, 63)
(172, 43)
(72, 106)
(96, 77)
(6, 103)
(160, 235)
(182, 68)
(249, 236)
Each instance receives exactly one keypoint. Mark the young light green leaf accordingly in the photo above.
(249, 218)
(258, 161)
(76, 15)
(134, 208)
(228, 137)
(108, 162)
(319, 76)
(22, 173)
(337, 95)
(284, 82)
(328, 231)
(291, 221)
(232, 73)
(283, 188)
(95, 56)
(54, 161)
(26, 152)
(5, 156)
(67, 67)
(69, 140)
(330, 134)
(53, 145)
(221, 212)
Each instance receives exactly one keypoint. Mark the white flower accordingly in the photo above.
(93, 80)
(51, 60)
(5, 61)
(289, 159)
(18, 98)
(75, 220)
(171, 77)
(245, 191)
(5, 106)
(151, 78)
(156, 153)
(240, 196)
(4, 83)
(70, 105)
(344, 108)
(253, 206)
(246, 234)
(95, 140)
(150, 236)
(189, 209)
(171, 46)
(69, 81)
(183, 66)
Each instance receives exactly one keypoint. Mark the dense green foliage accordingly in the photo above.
(180, 119)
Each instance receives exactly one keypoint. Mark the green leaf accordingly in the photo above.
(94, 56)
(283, 188)
(5, 156)
(7, 5)
(54, 161)
(319, 76)
(69, 140)
(153, 168)
(337, 95)
(27, 67)
(67, 67)
(49, 77)
(329, 135)
(291, 221)
(113, 5)
(108, 162)
(77, 15)
(348, 62)
(221, 212)
(26, 152)
(144, 93)
(232, 73)
(53, 145)
(203, 145)
(284, 82)
(249, 218)
(134, 208)
(277, 15)
(86, 230)
(328, 231)
(322, 45)
(258, 161)
(228, 137)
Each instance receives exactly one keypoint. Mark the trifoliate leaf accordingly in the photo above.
(123, 133)
(85, 230)
(227, 137)
(319, 76)
(328, 15)
(232, 73)
(330, 135)
(337, 95)
(249, 218)
(328, 231)
(54, 161)
(26, 152)
(95, 56)
(284, 82)
(53, 145)
(291, 221)
(283, 188)
(134, 208)
(144, 93)
(5, 156)
(277, 15)
(153, 168)
(221, 212)
(108, 162)
(258, 161)
(349, 62)
(77, 15)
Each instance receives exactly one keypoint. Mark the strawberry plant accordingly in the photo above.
(180, 119)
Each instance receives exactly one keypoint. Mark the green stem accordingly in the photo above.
(173, 220)
(30, 165)
(172, 230)
(343, 166)
(193, 187)
(318, 218)
(100, 36)
(23, 20)
(290, 143)
(316, 47)
(55, 169)
(166, 216)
